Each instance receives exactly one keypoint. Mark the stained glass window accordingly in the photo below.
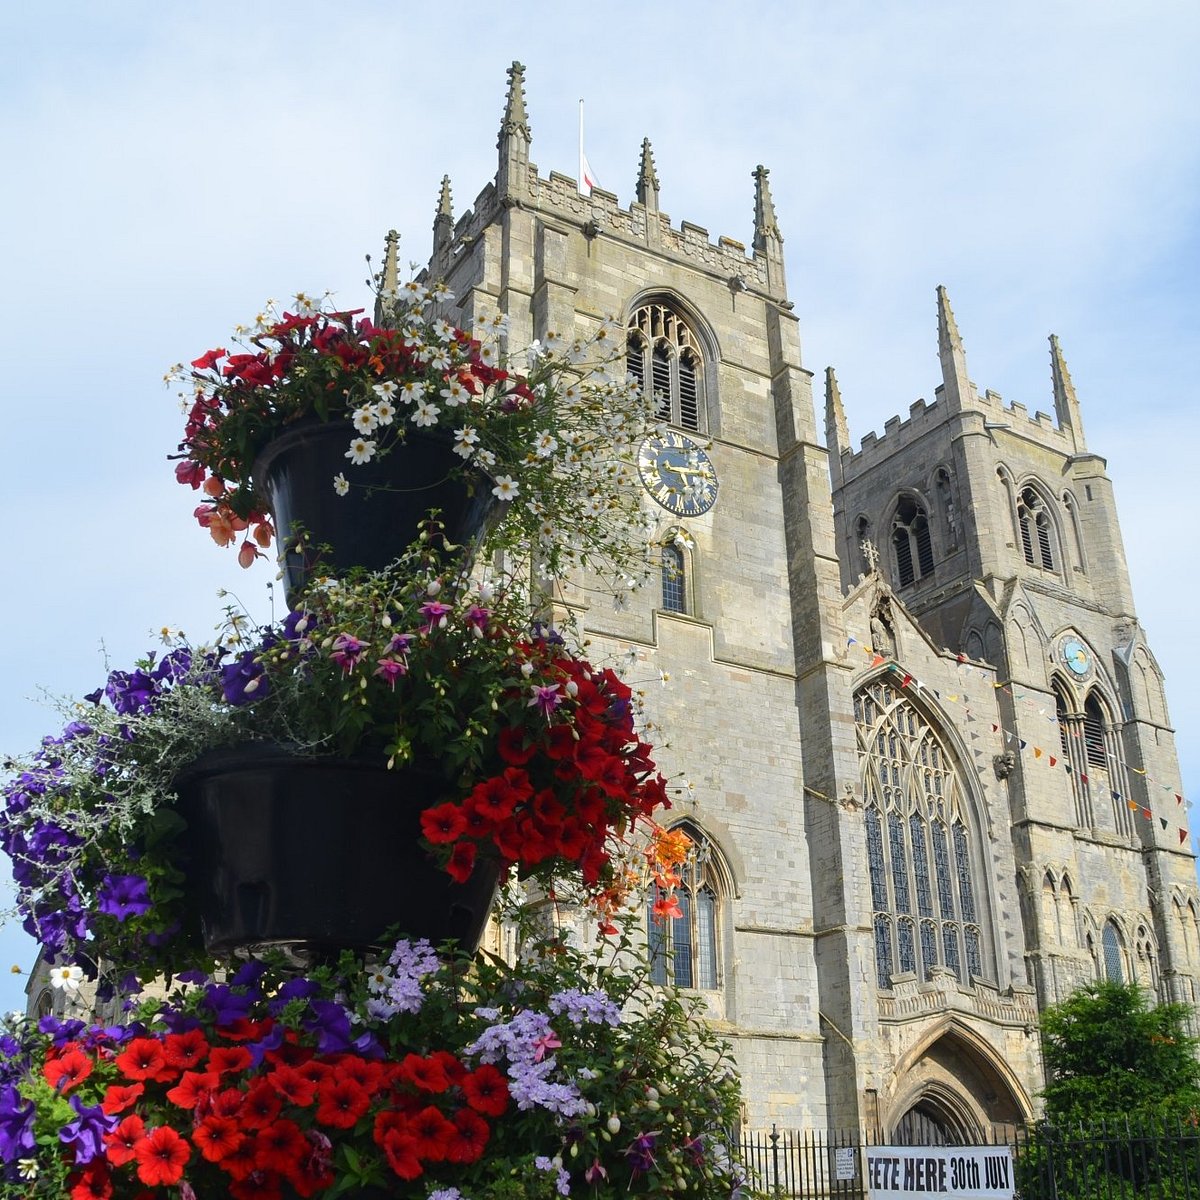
(920, 843)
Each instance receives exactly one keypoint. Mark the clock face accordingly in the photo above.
(1076, 656)
(678, 474)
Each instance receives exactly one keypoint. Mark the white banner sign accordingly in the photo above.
(962, 1172)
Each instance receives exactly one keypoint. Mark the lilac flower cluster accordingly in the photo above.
(524, 1042)
(594, 1006)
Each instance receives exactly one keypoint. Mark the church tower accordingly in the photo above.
(997, 531)
(815, 659)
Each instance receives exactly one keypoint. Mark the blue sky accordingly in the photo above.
(170, 167)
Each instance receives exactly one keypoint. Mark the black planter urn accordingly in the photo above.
(318, 854)
(321, 532)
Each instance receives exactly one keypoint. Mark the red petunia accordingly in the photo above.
(229, 1058)
(208, 360)
(161, 1156)
(217, 1138)
(144, 1058)
(293, 1086)
(443, 823)
(368, 1075)
(469, 1139)
(119, 1097)
(185, 1050)
(402, 1156)
(513, 749)
(194, 1088)
(121, 1143)
(486, 1090)
(92, 1183)
(341, 1102)
(432, 1133)
(261, 1106)
(68, 1069)
(280, 1147)
(428, 1074)
(462, 862)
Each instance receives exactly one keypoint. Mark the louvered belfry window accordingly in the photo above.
(661, 353)
(911, 542)
(924, 884)
(1037, 533)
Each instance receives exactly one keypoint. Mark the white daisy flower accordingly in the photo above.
(411, 390)
(506, 488)
(546, 444)
(341, 484)
(485, 458)
(362, 450)
(426, 414)
(66, 979)
(443, 330)
(465, 440)
(364, 419)
(385, 412)
(385, 390)
(454, 393)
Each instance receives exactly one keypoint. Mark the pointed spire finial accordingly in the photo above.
(390, 279)
(1066, 403)
(956, 385)
(765, 225)
(445, 206)
(948, 335)
(647, 183)
(515, 122)
(837, 432)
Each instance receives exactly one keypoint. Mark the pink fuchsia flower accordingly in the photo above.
(390, 669)
(434, 612)
(545, 698)
(346, 652)
(476, 616)
(400, 643)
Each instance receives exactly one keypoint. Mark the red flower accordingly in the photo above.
(432, 1133)
(462, 862)
(401, 1151)
(144, 1058)
(71, 1067)
(161, 1156)
(342, 1102)
(92, 1183)
(368, 1075)
(293, 1086)
(119, 1097)
(208, 360)
(428, 1074)
(261, 1106)
(193, 1088)
(229, 1058)
(217, 1138)
(122, 1142)
(280, 1147)
(185, 1050)
(470, 1137)
(443, 823)
(486, 1090)
(512, 741)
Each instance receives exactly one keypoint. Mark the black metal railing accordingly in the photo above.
(1116, 1160)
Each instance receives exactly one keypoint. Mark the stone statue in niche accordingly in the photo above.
(882, 640)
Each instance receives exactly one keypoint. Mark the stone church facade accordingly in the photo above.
(931, 769)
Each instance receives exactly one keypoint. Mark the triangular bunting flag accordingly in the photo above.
(1083, 777)
(1037, 752)
(876, 660)
(995, 728)
(1133, 804)
(1163, 822)
(1178, 798)
(1024, 744)
(852, 641)
(1053, 761)
(1147, 813)
(1117, 796)
(1182, 836)
(906, 680)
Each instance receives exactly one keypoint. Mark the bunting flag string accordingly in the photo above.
(907, 680)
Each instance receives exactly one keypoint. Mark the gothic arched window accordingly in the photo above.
(911, 541)
(662, 355)
(1037, 530)
(674, 579)
(683, 949)
(1114, 954)
(921, 844)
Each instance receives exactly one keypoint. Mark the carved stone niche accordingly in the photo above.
(883, 638)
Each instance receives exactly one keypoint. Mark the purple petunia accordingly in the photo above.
(124, 896)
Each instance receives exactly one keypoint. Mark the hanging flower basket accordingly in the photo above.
(377, 512)
(319, 854)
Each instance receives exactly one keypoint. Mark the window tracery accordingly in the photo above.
(924, 884)
(661, 353)
(683, 949)
(1036, 527)
(912, 543)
